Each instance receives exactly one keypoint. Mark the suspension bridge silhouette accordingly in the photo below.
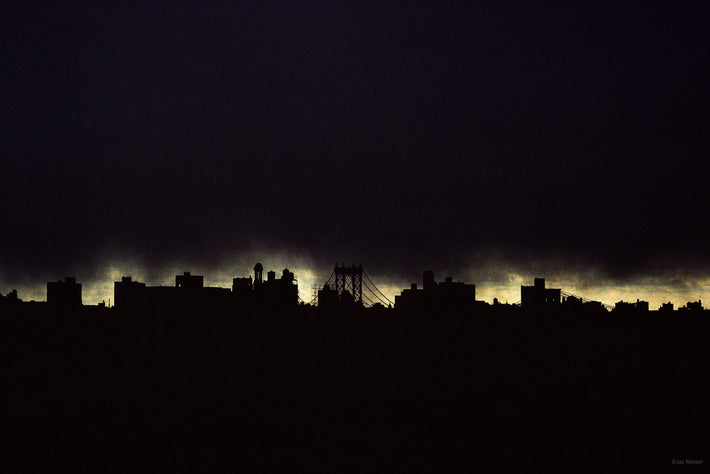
(347, 282)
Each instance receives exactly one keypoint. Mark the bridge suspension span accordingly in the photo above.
(567, 294)
(348, 282)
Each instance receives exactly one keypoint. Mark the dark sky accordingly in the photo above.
(405, 136)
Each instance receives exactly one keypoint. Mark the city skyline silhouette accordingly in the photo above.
(304, 293)
(197, 377)
(488, 141)
(524, 183)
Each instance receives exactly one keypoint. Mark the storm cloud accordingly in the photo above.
(505, 138)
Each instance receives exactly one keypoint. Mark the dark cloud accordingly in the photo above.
(404, 136)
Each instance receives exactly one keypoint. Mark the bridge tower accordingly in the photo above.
(349, 278)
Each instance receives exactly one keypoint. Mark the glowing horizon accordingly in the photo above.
(655, 291)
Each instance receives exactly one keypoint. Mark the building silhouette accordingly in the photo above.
(449, 294)
(573, 303)
(242, 290)
(275, 293)
(129, 294)
(256, 294)
(10, 298)
(66, 294)
(538, 297)
(189, 282)
(694, 306)
(628, 307)
(328, 299)
(258, 270)
(191, 293)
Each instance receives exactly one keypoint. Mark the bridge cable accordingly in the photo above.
(378, 290)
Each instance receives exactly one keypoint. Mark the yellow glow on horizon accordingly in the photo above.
(654, 290)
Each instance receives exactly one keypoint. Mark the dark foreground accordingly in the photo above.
(101, 391)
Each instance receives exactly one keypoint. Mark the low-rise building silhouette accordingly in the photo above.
(628, 307)
(576, 304)
(277, 292)
(189, 281)
(189, 292)
(65, 293)
(272, 293)
(448, 294)
(694, 306)
(10, 298)
(129, 294)
(328, 299)
(242, 290)
(539, 297)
